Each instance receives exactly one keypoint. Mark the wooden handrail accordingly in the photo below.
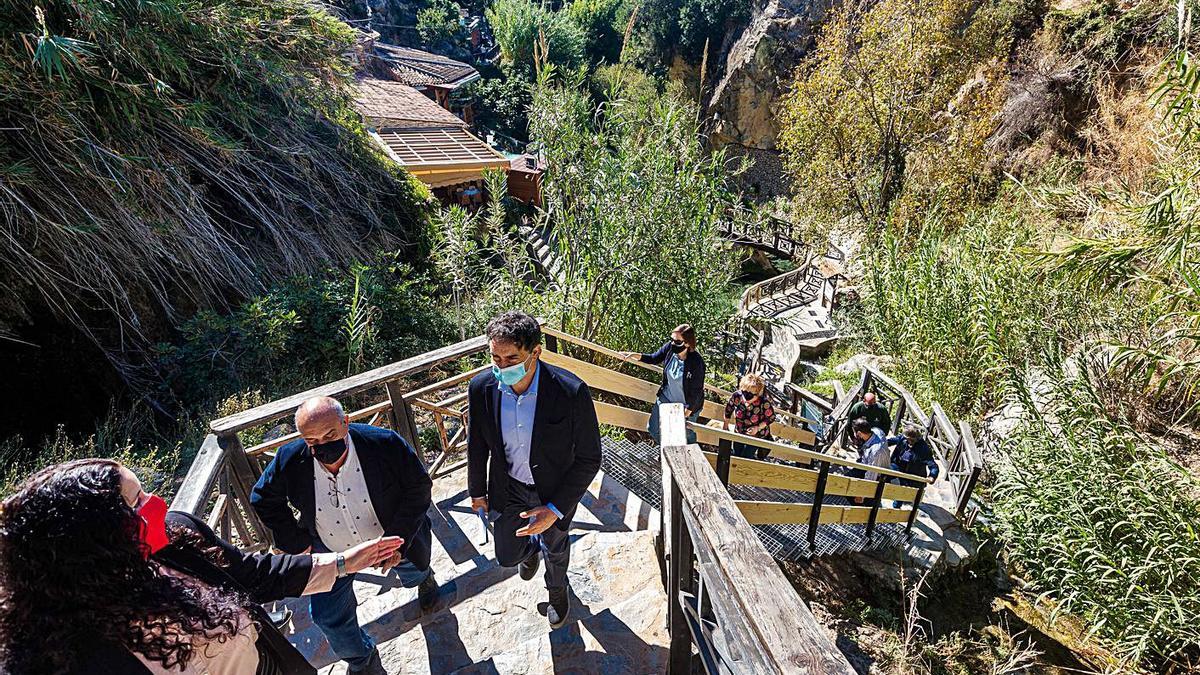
(765, 626)
(350, 385)
(790, 452)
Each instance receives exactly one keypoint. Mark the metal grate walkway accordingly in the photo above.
(637, 467)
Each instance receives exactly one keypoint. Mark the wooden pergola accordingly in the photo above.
(441, 156)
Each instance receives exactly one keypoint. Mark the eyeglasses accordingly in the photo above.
(335, 495)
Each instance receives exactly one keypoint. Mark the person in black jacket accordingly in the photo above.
(683, 377)
(97, 577)
(349, 483)
(533, 447)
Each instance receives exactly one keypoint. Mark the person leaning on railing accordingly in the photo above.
(682, 378)
(96, 576)
(751, 413)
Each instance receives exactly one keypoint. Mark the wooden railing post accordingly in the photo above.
(814, 518)
(916, 506)
(724, 451)
(680, 578)
(242, 479)
(898, 418)
(402, 416)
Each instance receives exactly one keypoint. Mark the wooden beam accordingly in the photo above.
(214, 518)
(788, 634)
(446, 383)
(624, 418)
(744, 471)
(192, 496)
(350, 385)
(779, 513)
(781, 451)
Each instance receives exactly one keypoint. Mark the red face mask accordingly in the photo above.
(153, 530)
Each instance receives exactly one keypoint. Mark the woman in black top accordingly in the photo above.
(95, 577)
(683, 376)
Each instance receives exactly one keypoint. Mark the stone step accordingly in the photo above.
(599, 643)
(484, 609)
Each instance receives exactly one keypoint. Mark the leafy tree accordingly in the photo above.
(524, 29)
(439, 23)
(635, 201)
(874, 92)
(681, 27)
(501, 105)
(602, 23)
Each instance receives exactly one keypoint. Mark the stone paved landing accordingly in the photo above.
(488, 620)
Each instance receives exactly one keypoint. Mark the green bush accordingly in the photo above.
(295, 335)
(524, 29)
(1102, 520)
(438, 23)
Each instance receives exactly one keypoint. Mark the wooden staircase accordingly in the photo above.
(690, 510)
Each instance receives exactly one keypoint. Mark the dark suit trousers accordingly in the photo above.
(511, 550)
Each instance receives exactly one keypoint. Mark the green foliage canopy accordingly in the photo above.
(180, 153)
(635, 200)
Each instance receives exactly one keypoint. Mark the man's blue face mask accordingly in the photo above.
(510, 375)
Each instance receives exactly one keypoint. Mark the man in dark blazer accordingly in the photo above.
(349, 483)
(533, 447)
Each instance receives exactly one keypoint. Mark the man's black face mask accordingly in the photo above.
(330, 451)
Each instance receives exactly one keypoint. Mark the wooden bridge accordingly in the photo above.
(775, 236)
(719, 520)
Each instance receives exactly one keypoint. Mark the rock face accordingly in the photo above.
(756, 73)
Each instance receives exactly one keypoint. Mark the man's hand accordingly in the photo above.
(543, 518)
(372, 553)
(479, 503)
(392, 561)
(628, 356)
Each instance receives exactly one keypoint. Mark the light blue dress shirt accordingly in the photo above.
(516, 429)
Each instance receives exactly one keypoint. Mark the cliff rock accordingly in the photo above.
(756, 73)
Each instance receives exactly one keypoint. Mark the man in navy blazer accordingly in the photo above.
(533, 447)
(349, 483)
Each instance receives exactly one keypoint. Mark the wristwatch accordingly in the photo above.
(341, 565)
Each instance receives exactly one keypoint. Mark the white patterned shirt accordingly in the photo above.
(345, 515)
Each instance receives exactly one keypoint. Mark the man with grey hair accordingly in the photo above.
(349, 483)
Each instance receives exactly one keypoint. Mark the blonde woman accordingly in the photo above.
(750, 411)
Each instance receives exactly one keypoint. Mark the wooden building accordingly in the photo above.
(429, 141)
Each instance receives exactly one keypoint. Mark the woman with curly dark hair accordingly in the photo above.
(93, 579)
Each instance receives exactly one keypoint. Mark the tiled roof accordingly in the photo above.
(420, 69)
(391, 104)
